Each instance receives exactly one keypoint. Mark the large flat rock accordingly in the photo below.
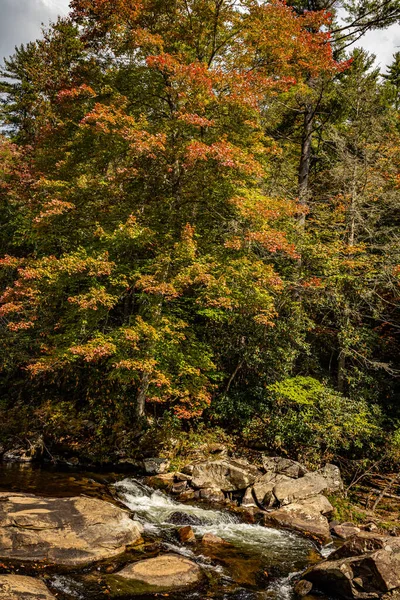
(18, 587)
(227, 474)
(162, 574)
(63, 531)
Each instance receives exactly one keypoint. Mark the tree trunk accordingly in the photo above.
(305, 160)
(141, 396)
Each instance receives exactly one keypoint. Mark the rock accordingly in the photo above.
(301, 518)
(211, 495)
(163, 481)
(366, 576)
(318, 504)
(179, 487)
(186, 535)
(188, 470)
(181, 518)
(182, 477)
(63, 531)
(226, 474)
(283, 466)
(345, 530)
(302, 588)
(217, 449)
(370, 527)
(162, 574)
(213, 540)
(248, 499)
(187, 496)
(264, 487)
(156, 466)
(289, 490)
(364, 542)
(18, 587)
(334, 482)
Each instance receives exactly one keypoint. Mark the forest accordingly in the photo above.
(200, 230)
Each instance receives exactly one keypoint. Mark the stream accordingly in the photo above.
(259, 562)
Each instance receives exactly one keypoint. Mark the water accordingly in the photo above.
(259, 563)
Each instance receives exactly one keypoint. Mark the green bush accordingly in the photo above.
(307, 418)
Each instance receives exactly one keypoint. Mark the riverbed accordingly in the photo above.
(257, 563)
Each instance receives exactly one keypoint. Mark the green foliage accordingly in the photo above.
(309, 419)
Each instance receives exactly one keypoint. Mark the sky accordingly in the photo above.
(20, 22)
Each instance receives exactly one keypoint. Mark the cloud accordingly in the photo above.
(382, 43)
(21, 21)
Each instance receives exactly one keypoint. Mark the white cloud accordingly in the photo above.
(382, 43)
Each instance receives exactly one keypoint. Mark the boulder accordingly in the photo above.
(210, 539)
(179, 487)
(162, 574)
(156, 466)
(333, 478)
(283, 466)
(163, 481)
(264, 489)
(302, 588)
(305, 519)
(289, 490)
(211, 495)
(318, 504)
(366, 576)
(365, 542)
(186, 535)
(63, 531)
(225, 474)
(248, 499)
(182, 518)
(18, 587)
(345, 531)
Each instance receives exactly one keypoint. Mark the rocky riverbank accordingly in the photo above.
(219, 528)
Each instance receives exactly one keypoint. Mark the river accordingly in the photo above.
(259, 562)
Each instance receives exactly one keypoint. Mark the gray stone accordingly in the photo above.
(156, 466)
(63, 531)
(345, 530)
(283, 466)
(333, 478)
(299, 517)
(227, 475)
(302, 588)
(292, 490)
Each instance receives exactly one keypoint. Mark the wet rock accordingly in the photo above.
(345, 531)
(162, 574)
(226, 474)
(164, 481)
(365, 542)
(367, 576)
(18, 587)
(283, 466)
(182, 518)
(63, 531)
(211, 495)
(156, 466)
(302, 588)
(210, 539)
(186, 535)
(299, 517)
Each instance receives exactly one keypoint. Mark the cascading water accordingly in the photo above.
(279, 551)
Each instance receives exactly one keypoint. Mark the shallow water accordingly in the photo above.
(259, 562)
